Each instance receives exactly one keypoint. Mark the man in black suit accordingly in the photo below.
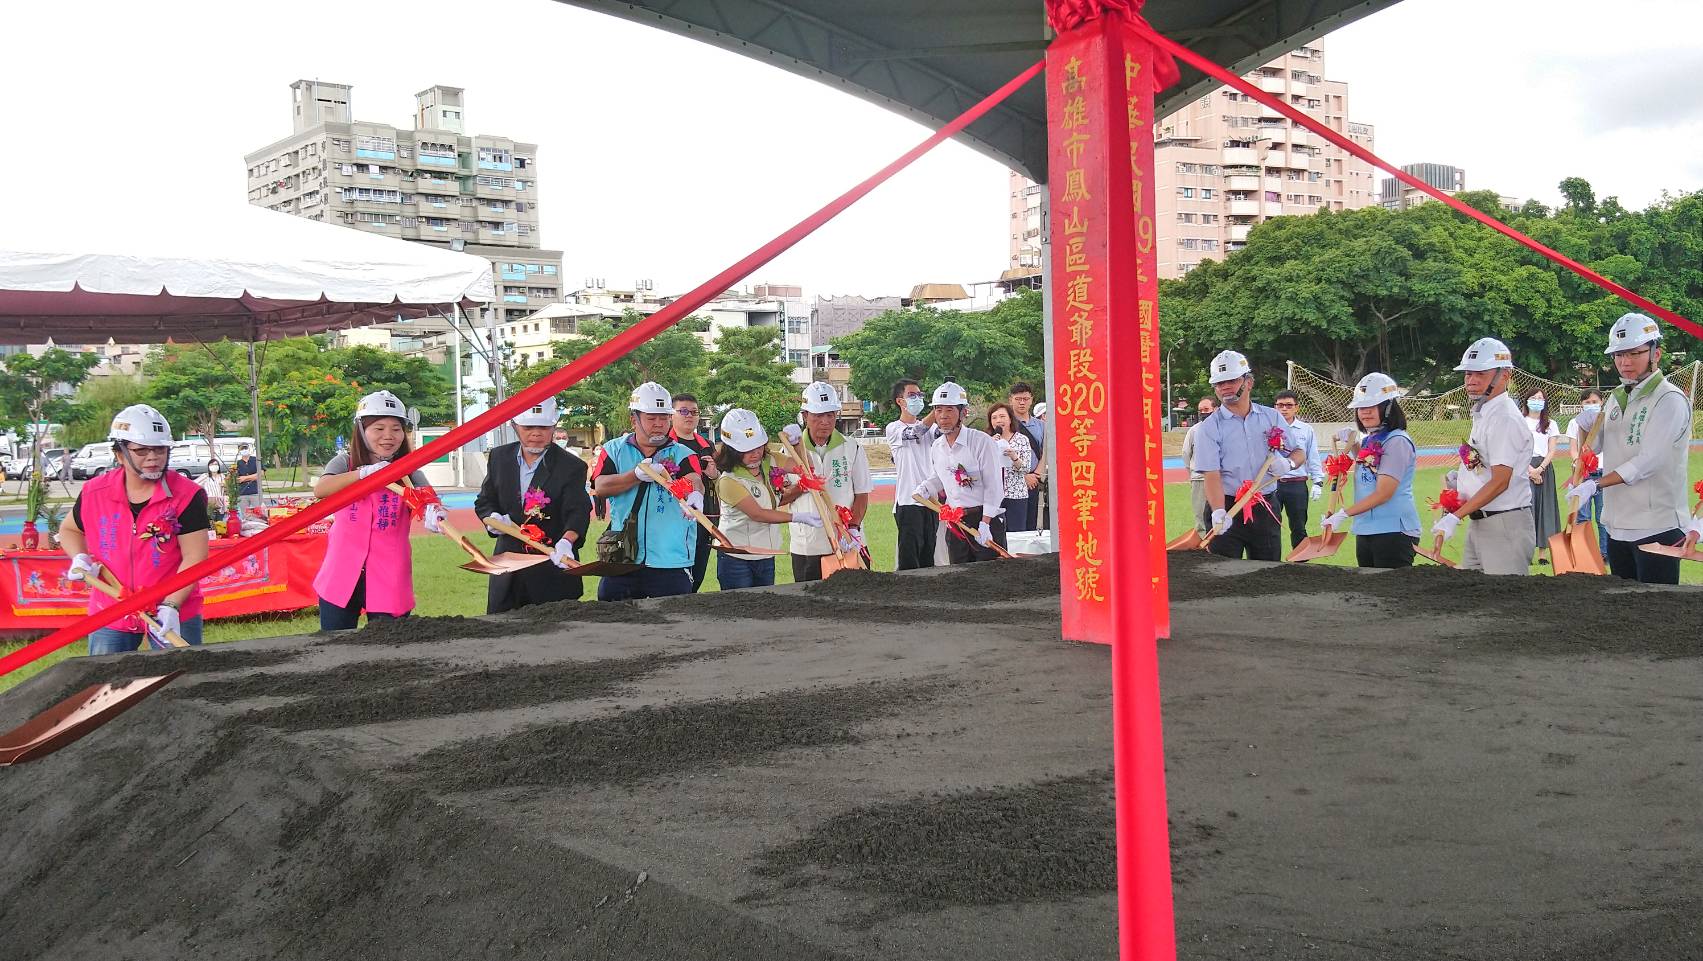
(535, 482)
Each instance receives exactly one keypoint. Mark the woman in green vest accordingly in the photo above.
(752, 490)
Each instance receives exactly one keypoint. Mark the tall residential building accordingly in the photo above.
(1395, 195)
(432, 183)
(1025, 224)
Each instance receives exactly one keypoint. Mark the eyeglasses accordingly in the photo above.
(1286, 405)
(136, 451)
(686, 411)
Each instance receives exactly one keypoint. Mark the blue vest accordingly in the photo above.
(667, 537)
(1399, 514)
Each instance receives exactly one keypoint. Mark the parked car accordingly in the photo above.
(190, 457)
(6, 468)
(93, 461)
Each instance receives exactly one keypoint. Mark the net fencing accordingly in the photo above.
(1442, 420)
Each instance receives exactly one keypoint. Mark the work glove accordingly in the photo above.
(1584, 491)
(694, 500)
(640, 472)
(434, 516)
(1220, 521)
(808, 518)
(1347, 436)
(792, 433)
(502, 518)
(984, 534)
(1337, 521)
(170, 622)
(372, 469)
(1318, 491)
(1446, 526)
(83, 566)
(562, 555)
(856, 535)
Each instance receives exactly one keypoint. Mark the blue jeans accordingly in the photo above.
(110, 640)
(734, 573)
(1592, 510)
(646, 582)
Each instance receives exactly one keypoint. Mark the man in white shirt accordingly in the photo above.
(844, 469)
(1644, 444)
(1293, 490)
(968, 473)
(1197, 481)
(1494, 482)
(911, 439)
(1230, 449)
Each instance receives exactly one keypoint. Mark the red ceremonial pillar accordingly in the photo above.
(1106, 404)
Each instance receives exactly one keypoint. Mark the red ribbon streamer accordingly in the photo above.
(416, 498)
(809, 482)
(680, 487)
(1217, 72)
(1066, 15)
(952, 517)
(588, 363)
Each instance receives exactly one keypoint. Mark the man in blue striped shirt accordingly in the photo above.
(1234, 446)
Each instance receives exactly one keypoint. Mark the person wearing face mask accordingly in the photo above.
(1197, 480)
(1494, 485)
(144, 523)
(368, 563)
(1232, 446)
(910, 438)
(666, 537)
(1590, 408)
(1644, 445)
(1385, 516)
(213, 482)
(534, 482)
(1546, 442)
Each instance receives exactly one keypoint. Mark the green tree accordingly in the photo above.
(413, 379)
(981, 351)
(98, 401)
(38, 389)
(306, 411)
(745, 371)
(197, 386)
(1577, 195)
(675, 358)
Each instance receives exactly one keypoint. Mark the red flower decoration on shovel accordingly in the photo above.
(1274, 438)
(952, 517)
(535, 532)
(680, 487)
(809, 482)
(1590, 463)
(1448, 500)
(1337, 466)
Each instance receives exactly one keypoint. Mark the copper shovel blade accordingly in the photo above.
(74, 717)
(1317, 546)
(1187, 542)
(1435, 558)
(1587, 558)
(504, 563)
(1561, 553)
(1677, 550)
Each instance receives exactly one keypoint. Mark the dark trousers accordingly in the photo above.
(1016, 516)
(347, 617)
(1291, 498)
(1033, 514)
(646, 582)
(1627, 561)
(918, 526)
(701, 559)
(1394, 549)
(1261, 539)
(538, 584)
(806, 567)
(962, 548)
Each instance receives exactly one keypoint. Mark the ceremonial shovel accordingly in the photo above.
(480, 564)
(587, 569)
(74, 717)
(1326, 542)
(962, 527)
(830, 515)
(1192, 540)
(100, 583)
(1574, 550)
(720, 541)
(1678, 550)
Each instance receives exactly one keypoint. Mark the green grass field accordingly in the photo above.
(443, 588)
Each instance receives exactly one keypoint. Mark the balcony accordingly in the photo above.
(1298, 136)
(427, 185)
(434, 161)
(1267, 113)
(1273, 84)
(1242, 182)
(1244, 208)
(1240, 155)
(1239, 232)
(1300, 161)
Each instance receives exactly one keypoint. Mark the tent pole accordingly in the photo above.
(460, 416)
(254, 409)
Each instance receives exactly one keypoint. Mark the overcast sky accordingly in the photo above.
(667, 159)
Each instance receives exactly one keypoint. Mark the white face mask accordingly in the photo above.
(914, 404)
(1590, 408)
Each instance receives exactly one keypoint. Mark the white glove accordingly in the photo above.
(695, 501)
(792, 433)
(83, 566)
(1446, 526)
(984, 534)
(1452, 480)
(562, 555)
(504, 518)
(372, 469)
(1337, 521)
(434, 517)
(640, 472)
(1347, 436)
(856, 536)
(807, 518)
(1220, 521)
(170, 621)
(1318, 491)
(1584, 492)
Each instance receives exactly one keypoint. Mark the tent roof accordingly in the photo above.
(213, 271)
(932, 61)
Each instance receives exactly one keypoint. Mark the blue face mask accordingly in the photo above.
(1590, 408)
(914, 404)
(1535, 404)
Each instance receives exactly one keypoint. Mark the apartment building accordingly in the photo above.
(432, 183)
(1395, 195)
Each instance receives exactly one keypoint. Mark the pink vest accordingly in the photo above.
(369, 535)
(141, 551)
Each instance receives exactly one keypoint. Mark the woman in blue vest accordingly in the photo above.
(1386, 518)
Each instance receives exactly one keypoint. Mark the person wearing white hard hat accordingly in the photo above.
(752, 489)
(540, 488)
(1645, 443)
(911, 441)
(143, 523)
(1229, 450)
(1494, 483)
(1384, 513)
(646, 526)
(368, 562)
(968, 477)
(844, 470)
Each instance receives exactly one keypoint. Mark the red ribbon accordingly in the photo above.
(952, 517)
(416, 498)
(1448, 500)
(1248, 506)
(680, 487)
(534, 532)
(1338, 466)
(810, 482)
(588, 363)
(1588, 462)
(1067, 15)
(1213, 70)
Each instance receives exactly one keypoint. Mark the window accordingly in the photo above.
(1183, 218)
(438, 154)
(347, 170)
(381, 148)
(532, 268)
(1212, 169)
(1188, 243)
(1183, 168)
(338, 143)
(520, 185)
(492, 158)
(1208, 218)
(1209, 245)
(550, 268)
(1206, 193)
(521, 163)
(404, 152)
(1186, 192)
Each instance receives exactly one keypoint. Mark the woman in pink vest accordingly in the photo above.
(368, 565)
(143, 523)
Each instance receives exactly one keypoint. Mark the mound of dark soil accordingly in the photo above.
(78, 673)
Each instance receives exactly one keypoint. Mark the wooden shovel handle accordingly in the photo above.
(662, 480)
(1245, 499)
(965, 528)
(449, 531)
(824, 506)
(100, 583)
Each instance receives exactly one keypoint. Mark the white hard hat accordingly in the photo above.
(821, 398)
(651, 397)
(742, 431)
(1040, 410)
(141, 424)
(382, 403)
(1632, 331)
(1486, 353)
(950, 395)
(1374, 389)
(1229, 365)
(541, 415)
